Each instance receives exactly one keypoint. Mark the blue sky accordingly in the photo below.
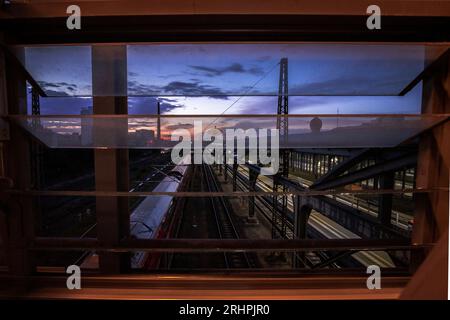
(205, 78)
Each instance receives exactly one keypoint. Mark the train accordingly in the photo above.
(152, 218)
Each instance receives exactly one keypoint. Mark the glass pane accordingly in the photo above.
(304, 131)
(253, 69)
(61, 71)
(220, 70)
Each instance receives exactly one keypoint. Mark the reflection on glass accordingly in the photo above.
(322, 131)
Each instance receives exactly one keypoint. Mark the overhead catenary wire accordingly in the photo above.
(245, 94)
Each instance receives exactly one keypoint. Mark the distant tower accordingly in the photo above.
(337, 118)
(282, 112)
(283, 129)
(158, 128)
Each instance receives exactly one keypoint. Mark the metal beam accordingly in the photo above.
(19, 210)
(219, 245)
(369, 172)
(361, 223)
(427, 72)
(333, 259)
(95, 8)
(223, 27)
(431, 219)
(386, 181)
(11, 58)
(327, 151)
(301, 216)
(295, 189)
(343, 166)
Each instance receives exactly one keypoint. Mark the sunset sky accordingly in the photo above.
(209, 78)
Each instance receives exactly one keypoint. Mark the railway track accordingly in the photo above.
(208, 217)
(225, 225)
(264, 206)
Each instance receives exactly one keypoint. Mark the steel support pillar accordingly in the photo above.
(301, 216)
(386, 182)
(235, 168)
(158, 124)
(275, 214)
(225, 165)
(20, 223)
(253, 176)
(431, 209)
(283, 127)
(36, 148)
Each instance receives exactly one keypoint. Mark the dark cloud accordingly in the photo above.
(147, 105)
(194, 89)
(166, 107)
(59, 89)
(47, 84)
(255, 123)
(218, 71)
(138, 89)
(54, 93)
(168, 100)
(168, 76)
(176, 88)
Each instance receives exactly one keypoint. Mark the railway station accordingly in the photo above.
(338, 163)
